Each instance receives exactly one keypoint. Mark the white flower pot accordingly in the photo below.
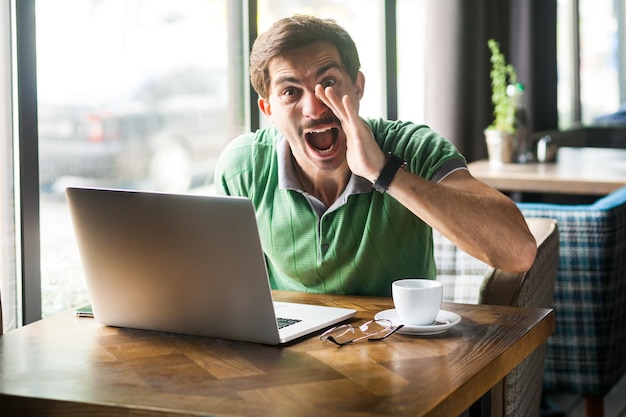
(501, 146)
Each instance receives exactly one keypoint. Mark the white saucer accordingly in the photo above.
(445, 320)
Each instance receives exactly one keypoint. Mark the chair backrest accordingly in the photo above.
(535, 288)
(461, 274)
(586, 352)
(522, 388)
(469, 280)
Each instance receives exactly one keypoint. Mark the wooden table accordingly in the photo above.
(71, 366)
(588, 171)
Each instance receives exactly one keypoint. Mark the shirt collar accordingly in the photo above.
(288, 179)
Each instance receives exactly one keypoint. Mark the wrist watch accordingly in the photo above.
(394, 163)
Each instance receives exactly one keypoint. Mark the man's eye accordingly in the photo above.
(328, 83)
(289, 95)
(289, 92)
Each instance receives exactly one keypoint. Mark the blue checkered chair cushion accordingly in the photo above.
(585, 355)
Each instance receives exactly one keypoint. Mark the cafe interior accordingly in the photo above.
(429, 63)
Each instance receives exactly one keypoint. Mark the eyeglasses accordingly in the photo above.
(370, 330)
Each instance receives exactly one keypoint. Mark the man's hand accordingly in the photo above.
(364, 156)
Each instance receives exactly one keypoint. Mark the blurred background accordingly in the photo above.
(144, 94)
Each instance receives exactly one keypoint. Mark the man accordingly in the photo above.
(338, 209)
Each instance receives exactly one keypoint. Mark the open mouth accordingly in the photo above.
(322, 140)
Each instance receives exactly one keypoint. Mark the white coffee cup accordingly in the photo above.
(417, 301)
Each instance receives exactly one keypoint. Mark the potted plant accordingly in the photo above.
(501, 133)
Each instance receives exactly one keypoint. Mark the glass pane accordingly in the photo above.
(8, 255)
(363, 20)
(565, 64)
(410, 27)
(599, 82)
(132, 94)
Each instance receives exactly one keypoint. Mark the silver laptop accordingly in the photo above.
(183, 264)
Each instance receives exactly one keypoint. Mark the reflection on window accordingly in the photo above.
(131, 94)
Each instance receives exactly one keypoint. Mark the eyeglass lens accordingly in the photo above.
(372, 330)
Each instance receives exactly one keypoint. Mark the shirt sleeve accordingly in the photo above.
(447, 168)
(232, 165)
(428, 154)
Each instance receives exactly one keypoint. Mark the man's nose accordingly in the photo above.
(312, 106)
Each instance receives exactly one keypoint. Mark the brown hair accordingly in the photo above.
(293, 33)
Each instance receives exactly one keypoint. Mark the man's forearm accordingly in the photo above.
(478, 219)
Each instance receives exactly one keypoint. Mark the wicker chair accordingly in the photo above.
(468, 280)
(585, 356)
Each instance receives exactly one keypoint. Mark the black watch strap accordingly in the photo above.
(388, 172)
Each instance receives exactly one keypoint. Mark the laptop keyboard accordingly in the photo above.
(282, 322)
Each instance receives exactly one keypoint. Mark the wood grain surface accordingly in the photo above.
(582, 171)
(68, 366)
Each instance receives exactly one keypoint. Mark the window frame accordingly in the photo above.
(27, 201)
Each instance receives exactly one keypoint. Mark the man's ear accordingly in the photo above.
(264, 106)
(359, 85)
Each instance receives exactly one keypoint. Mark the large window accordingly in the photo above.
(131, 94)
(599, 69)
(590, 59)
(140, 100)
(145, 93)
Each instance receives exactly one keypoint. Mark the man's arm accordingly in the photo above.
(478, 219)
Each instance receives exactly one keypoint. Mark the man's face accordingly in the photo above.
(314, 133)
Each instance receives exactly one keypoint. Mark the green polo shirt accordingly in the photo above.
(360, 244)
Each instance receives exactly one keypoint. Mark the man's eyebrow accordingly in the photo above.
(320, 71)
(331, 65)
